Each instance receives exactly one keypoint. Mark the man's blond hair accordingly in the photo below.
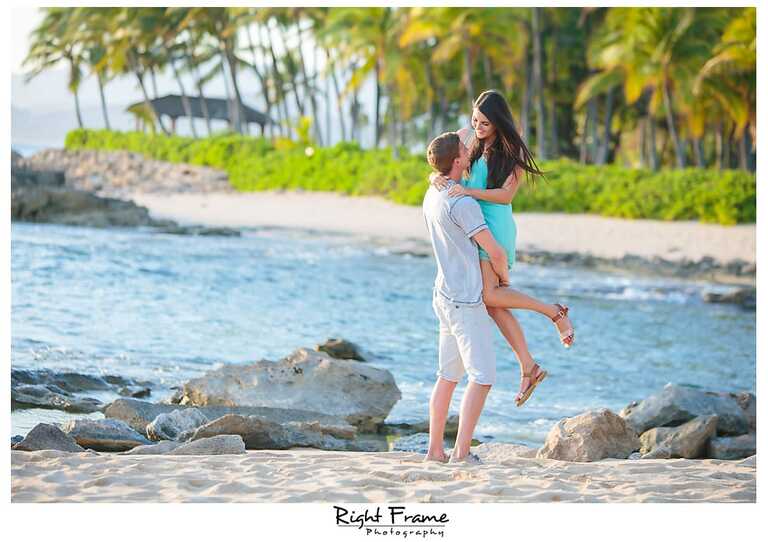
(442, 151)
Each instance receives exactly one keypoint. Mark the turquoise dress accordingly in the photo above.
(498, 216)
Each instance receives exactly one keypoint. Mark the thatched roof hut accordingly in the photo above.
(172, 106)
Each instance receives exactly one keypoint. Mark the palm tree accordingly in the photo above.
(56, 40)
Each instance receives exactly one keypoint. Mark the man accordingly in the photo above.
(456, 226)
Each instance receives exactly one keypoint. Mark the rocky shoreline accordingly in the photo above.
(312, 399)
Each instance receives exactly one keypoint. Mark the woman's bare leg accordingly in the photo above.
(510, 328)
(507, 298)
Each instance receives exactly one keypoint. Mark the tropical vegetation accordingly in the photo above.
(650, 88)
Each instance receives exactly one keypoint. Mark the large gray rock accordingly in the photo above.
(15, 439)
(591, 436)
(259, 433)
(44, 388)
(138, 414)
(689, 440)
(45, 436)
(340, 349)
(218, 445)
(732, 447)
(42, 396)
(652, 439)
(358, 392)
(748, 403)
(104, 435)
(76, 208)
(675, 405)
(169, 426)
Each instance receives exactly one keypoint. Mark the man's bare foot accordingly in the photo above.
(437, 458)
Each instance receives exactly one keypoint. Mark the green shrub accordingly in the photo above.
(253, 163)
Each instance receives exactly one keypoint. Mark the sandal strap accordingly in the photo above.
(563, 312)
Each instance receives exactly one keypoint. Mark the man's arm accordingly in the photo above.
(496, 253)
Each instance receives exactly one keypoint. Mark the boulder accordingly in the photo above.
(652, 438)
(260, 433)
(732, 447)
(361, 394)
(340, 349)
(160, 448)
(675, 405)
(746, 297)
(169, 426)
(62, 205)
(104, 435)
(138, 414)
(45, 436)
(591, 436)
(689, 440)
(137, 393)
(48, 396)
(660, 452)
(218, 445)
(748, 403)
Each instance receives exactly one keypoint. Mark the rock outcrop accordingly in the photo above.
(676, 404)
(361, 394)
(591, 436)
(45, 436)
(104, 435)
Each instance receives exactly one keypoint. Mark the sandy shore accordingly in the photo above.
(375, 217)
(304, 475)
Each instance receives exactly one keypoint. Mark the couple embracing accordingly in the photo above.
(477, 173)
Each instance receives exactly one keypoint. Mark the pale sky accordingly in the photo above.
(23, 20)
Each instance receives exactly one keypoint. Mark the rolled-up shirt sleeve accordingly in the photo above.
(466, 214)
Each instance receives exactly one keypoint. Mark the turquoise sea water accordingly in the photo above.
(167, 308)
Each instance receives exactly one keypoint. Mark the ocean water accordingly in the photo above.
(167, 308)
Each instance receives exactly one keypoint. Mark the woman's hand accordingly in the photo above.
(512, 184)
(438, 180)
(458, 190)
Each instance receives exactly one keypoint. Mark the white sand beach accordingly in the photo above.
(306, 475)
(376, 217)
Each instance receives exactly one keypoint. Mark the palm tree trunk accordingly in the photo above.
(541, 137)
(679, 152)
(743, 150)
(698, 153)
(280, 98)
(654, 155)
(583, 145)
(602, 154)
(643, 153)
(184, 98)
(592, 141)
(551, 60)
(140, 77)
(487, 70)
(154, 82)
(198, 84)
(77, 109)
(525, 109)
(261, 78)
(339, 106)
(100, 79)
(239, 111)
(468, 74)
(307, 91)
(378, 105)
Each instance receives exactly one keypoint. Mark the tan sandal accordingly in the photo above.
(532, 383)
(567, 336)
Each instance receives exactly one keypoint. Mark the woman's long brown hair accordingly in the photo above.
(508, 151)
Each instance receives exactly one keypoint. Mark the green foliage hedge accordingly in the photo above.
(724, 197)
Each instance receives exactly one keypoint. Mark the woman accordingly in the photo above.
(498, 157)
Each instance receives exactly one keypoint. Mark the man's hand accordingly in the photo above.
(457, 190)
(438, 180)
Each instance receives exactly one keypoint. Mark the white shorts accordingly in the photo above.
(466, 341)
